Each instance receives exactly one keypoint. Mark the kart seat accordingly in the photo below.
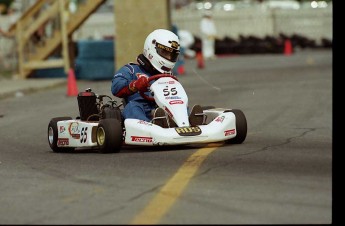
(87, 106)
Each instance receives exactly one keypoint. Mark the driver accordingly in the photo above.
(161, 51)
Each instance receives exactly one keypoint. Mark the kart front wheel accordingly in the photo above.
(109, 135)
(241, 127)
(207, 107)
(53, 135)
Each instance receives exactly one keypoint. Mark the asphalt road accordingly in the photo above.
(281, 174)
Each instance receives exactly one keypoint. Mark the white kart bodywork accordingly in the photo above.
(222, 127)
(171, 96)
(219, 123)
(76, 133)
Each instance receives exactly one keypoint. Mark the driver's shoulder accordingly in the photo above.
(133, 69)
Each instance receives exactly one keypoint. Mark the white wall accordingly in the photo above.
(312, 23)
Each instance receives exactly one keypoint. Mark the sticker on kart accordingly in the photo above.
(188, 131)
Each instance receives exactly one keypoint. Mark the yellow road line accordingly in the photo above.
(167, 196)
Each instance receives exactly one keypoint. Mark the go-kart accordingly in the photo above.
(101, 125)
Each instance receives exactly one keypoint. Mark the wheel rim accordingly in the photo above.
(100, 136)
(50, 135)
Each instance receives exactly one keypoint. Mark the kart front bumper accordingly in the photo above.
(139, 132)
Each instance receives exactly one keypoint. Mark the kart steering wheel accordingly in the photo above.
(155, 77)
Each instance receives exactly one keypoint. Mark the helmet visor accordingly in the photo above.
(166, 52)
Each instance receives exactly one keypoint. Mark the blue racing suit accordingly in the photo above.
(136, 106)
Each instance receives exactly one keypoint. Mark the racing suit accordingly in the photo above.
(136, 106)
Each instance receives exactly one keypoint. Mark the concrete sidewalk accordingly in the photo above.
(15, 87)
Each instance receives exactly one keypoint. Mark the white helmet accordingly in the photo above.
(162, 48)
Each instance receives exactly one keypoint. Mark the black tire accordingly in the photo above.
(109, 135)
(207, 107)
(241, 127)
(115, 113)
(53, 135)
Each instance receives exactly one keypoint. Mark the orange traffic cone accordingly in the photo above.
(287, 47)
(200, 59)
(180, 70)
(72, 89)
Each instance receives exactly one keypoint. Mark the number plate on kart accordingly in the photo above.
(188, 131)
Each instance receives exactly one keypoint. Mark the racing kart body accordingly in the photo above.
(101, 125)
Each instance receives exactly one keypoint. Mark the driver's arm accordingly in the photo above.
(125, 84)
(140, 84)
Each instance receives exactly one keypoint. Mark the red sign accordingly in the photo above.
(142, 139)
(175, 102)
(63, 141)
(229, 132)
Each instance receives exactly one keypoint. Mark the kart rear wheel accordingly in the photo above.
(114, 113)
(53, 135)
(241, 127)
(109, 135)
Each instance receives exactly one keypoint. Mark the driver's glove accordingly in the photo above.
(140, 84)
